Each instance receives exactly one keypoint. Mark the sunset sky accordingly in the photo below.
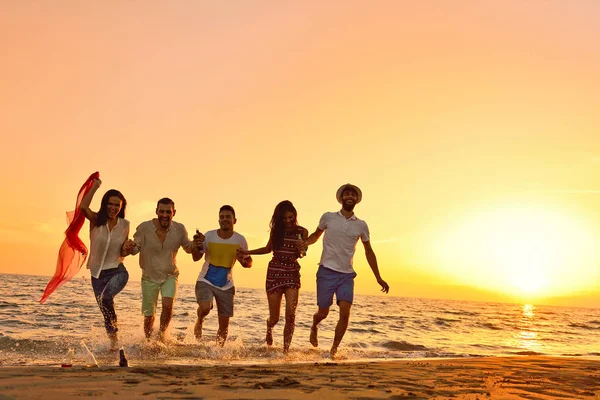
(472, 127)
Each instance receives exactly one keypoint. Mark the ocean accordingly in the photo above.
(381, 328)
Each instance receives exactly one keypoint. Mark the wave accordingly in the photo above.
(367, 330)
(527, 353)
(187, 351)
(361, 330)
(445, 321)
(490, 347)
(583, 326)
(467, 313)
(489, 325)
(367, 322)
(9, 344)
(6, 304)
(402, 346)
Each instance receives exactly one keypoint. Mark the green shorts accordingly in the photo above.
(150, 291)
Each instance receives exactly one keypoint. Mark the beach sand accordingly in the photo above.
(527, 377)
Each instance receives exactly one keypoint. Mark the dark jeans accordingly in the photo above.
(106, 287)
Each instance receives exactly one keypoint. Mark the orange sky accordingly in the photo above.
(471, 126)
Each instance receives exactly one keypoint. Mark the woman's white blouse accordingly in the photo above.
(105, 247)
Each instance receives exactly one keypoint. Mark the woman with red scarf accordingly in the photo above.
(109, 230)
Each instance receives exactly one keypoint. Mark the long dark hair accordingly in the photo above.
(277, 227)
(102, 213)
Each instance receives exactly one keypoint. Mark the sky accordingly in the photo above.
(470, 126)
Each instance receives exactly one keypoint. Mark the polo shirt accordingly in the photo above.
(339, 242)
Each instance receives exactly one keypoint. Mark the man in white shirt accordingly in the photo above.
(215, 280)
(158, 241)
(336, 273)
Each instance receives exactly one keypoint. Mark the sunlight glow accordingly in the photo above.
(521, 251)
(526, 337)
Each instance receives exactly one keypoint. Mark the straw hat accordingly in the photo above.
(350, 186)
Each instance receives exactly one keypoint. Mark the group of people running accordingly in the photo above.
(158, 240)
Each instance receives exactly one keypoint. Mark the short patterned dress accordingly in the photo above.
(283, 271)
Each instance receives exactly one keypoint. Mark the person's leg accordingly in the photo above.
(342, 325)
(291, 303)
(148, 325)
(319, 316)
(223, 330)
(168, 292)
(326, 285)
(204, 298)
(274, 299)
(345, 296)
(165, 315)
(98, 284)
(116, 282)
(224, 299)
(150, 292)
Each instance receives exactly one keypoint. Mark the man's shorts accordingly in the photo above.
(330, 282)
(206, 292)
(150, 291)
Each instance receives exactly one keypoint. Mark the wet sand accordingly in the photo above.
(523, 377)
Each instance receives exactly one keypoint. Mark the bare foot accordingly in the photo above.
(269, 338)
(313, 336)
(162, 337)
(198, 331)
(333, 352)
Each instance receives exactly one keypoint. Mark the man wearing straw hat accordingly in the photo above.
(336, 273)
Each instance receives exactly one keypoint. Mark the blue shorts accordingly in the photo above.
(330, 282)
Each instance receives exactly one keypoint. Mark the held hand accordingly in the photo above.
(384, 286)
(245, 260)
(242, 256)
(128, 246)
(198, 241)
(132, 245)
(241, 253)
(97, 183)
(302, 246)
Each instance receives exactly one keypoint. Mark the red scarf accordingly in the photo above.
(72, 252)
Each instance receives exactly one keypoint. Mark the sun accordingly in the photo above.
(530, 246)
(522, 251)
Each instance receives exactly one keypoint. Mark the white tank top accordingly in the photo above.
(105, 246)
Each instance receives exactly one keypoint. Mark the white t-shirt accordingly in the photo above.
(219, 258)
(339, 243)
(105, 247)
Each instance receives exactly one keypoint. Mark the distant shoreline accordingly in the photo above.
(541, 304)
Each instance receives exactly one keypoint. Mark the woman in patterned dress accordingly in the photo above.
(283, 272)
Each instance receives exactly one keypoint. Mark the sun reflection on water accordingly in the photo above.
(526, 338)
